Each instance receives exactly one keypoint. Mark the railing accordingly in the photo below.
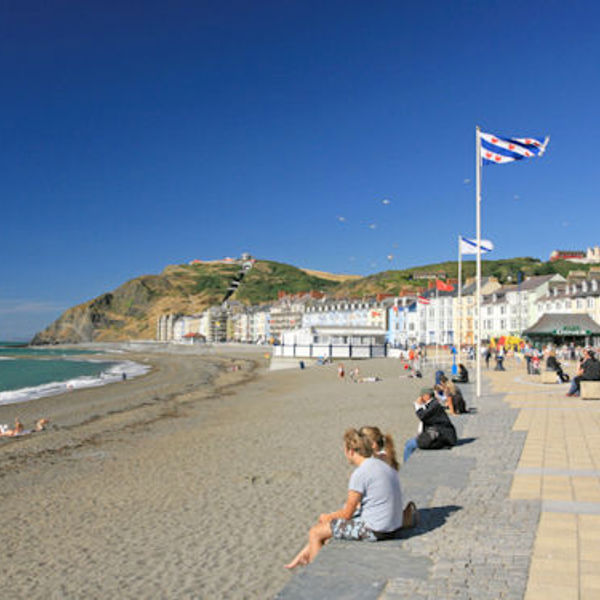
(331, 350)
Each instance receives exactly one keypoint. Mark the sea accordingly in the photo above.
(28, 372)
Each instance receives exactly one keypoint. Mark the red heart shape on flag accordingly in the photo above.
(528, 141)
(527, 153)
(511, 146)
(488, 155)
(494, 140)
(498, 159)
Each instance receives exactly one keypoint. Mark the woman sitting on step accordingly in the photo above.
(374, 487)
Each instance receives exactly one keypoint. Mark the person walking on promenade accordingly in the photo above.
(500, 358)
(487, 356)
(375, 487)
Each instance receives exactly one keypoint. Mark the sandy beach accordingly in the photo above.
(193, 481)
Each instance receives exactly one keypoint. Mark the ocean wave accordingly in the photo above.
(112, 374)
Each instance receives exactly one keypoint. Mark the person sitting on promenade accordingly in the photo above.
(463, 374)
(383, 448)
(436, 429)
(454, 400)
(552, 364)
(589, 370)
(438, 377)
(373, 485)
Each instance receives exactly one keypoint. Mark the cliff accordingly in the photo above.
(131, 311)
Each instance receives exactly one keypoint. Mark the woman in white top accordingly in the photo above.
(375, 487)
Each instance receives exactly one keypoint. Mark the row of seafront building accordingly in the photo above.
(432, 317)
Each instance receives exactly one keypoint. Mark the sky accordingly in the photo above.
(331, 135)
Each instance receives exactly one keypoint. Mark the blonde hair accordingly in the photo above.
(358, 443)
(450, 387)
(383, 445)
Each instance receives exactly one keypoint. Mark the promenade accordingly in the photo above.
(512, 512)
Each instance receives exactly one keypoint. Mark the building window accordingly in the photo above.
(579, 303)
(590, 303)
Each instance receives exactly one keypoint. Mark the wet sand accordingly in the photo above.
(194, 481)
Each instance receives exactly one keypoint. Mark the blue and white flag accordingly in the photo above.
(496, 150)
(468, 246)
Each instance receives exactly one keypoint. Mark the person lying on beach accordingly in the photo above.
(383, 448)
(368, 379)
(373, 485)
(19, 430)
(436, 429)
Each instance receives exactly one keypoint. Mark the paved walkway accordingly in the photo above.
(512, 512)
(560, 467)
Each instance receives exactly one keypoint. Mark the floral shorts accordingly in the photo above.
(351, 529)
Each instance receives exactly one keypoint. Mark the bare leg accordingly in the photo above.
(318, 535)
(300, 559)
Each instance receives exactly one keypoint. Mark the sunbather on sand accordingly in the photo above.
(19, 430)
(375, 486)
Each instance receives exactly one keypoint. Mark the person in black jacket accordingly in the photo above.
(436, 429)
(588, 371)
(552, 364)
(463, 375)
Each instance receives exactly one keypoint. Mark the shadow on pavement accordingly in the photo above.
(465, 441)
(430, 519)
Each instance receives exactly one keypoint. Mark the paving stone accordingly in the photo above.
(472, 541)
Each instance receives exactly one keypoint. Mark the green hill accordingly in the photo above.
(131, 311)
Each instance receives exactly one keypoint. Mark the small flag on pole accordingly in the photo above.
(469, 246)
(496, 150)
(443, 287)
(423, 300)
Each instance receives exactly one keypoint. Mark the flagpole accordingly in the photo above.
(478, 275)
(437, 322)
(459, 301)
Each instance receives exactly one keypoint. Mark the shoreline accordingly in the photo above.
(89, 413)
(135, 481)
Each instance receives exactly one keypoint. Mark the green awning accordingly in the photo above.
(564, 324)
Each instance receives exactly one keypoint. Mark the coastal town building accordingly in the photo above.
(286, 314)
(512, 308)
(464, 308)
(430, 317)
(573, 296)
(590, 256)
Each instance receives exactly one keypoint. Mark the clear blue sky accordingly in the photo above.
(140, 134)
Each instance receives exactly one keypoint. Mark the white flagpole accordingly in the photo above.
(478, 276)
(459, 301)
(436, 322)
